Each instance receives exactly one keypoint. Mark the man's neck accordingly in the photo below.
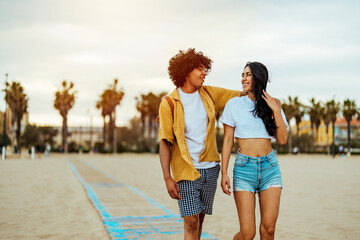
(188, 89)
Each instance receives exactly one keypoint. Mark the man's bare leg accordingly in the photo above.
(191, 227)
(201, 220)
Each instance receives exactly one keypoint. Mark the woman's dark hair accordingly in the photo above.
(262, 110)
(184, 62)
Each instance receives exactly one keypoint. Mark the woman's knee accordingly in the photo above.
(245, 234)
(267, 229)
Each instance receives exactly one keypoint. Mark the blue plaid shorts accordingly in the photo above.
(198, 196)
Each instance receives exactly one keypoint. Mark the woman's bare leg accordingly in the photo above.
(269, 210)
(245, 204)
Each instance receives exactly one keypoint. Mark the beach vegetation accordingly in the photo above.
(289, 108)
(64, 101)
(315, 111)
(349, 111)
(109, 100)
(18, 102)
(332, 109)
(319, 113)
(38, 135)
(8, 141)
(148, 106)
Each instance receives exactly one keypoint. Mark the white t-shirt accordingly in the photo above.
(196, 123)
(238, 114)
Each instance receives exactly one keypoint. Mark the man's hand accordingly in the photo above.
(243, 94)
(172, 188)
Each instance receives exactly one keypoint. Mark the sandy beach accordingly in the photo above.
(44, 199)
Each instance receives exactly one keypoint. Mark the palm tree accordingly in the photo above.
(316, 112)
(334, 109)
(219, 141)
(327, 116)
(298, 114)
(116, 97)
(148, 106)
(289, 110)
(64, 101)
(349, 111)
(104, 105)
(18, 103)
(108, 102)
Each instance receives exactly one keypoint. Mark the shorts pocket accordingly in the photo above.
(273, 160)
(239, 161)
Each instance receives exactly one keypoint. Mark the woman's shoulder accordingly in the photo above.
(236, 100)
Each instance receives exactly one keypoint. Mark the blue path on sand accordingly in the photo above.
(101, 186)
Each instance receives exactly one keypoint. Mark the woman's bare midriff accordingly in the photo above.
(254, 147)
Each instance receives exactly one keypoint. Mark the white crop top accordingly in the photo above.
(238, 114)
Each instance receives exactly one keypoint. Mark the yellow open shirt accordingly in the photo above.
(172, 129)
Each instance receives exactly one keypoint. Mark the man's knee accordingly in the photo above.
(267, 230)
(191, 223)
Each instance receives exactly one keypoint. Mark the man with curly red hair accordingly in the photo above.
(187, 138)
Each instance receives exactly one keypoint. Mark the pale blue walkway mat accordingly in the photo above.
(126, 212)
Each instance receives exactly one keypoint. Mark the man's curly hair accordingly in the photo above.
(184, 62)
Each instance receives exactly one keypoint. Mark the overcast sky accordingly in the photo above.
(311, 48)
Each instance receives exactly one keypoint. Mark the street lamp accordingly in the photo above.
(4, 132)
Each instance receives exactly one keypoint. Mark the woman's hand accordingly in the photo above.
(225, 184)
(271, 102)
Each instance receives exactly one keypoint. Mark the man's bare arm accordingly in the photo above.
(171, 184)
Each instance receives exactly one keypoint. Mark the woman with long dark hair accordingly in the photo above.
(254, 120)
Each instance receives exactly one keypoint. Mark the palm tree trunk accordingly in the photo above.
(111, 132)
(333, 142)
(64, 134)
(18, 131)
(297, 130)
(348, 138)
(327, 139)
(114, 133)
(149, 129)
(290, 140)
(317, 135)
(104, 131)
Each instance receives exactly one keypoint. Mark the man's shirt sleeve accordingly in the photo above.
(222, 96)
(166, 122)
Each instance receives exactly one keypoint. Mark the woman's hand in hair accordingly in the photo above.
(273, 103)
(281, 130)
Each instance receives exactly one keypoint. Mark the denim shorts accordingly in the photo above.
(255, 174)
(198, 196)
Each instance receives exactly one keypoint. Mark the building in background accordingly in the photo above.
(81, 135)
(8, 121)
(11, 127)
(340, 131)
